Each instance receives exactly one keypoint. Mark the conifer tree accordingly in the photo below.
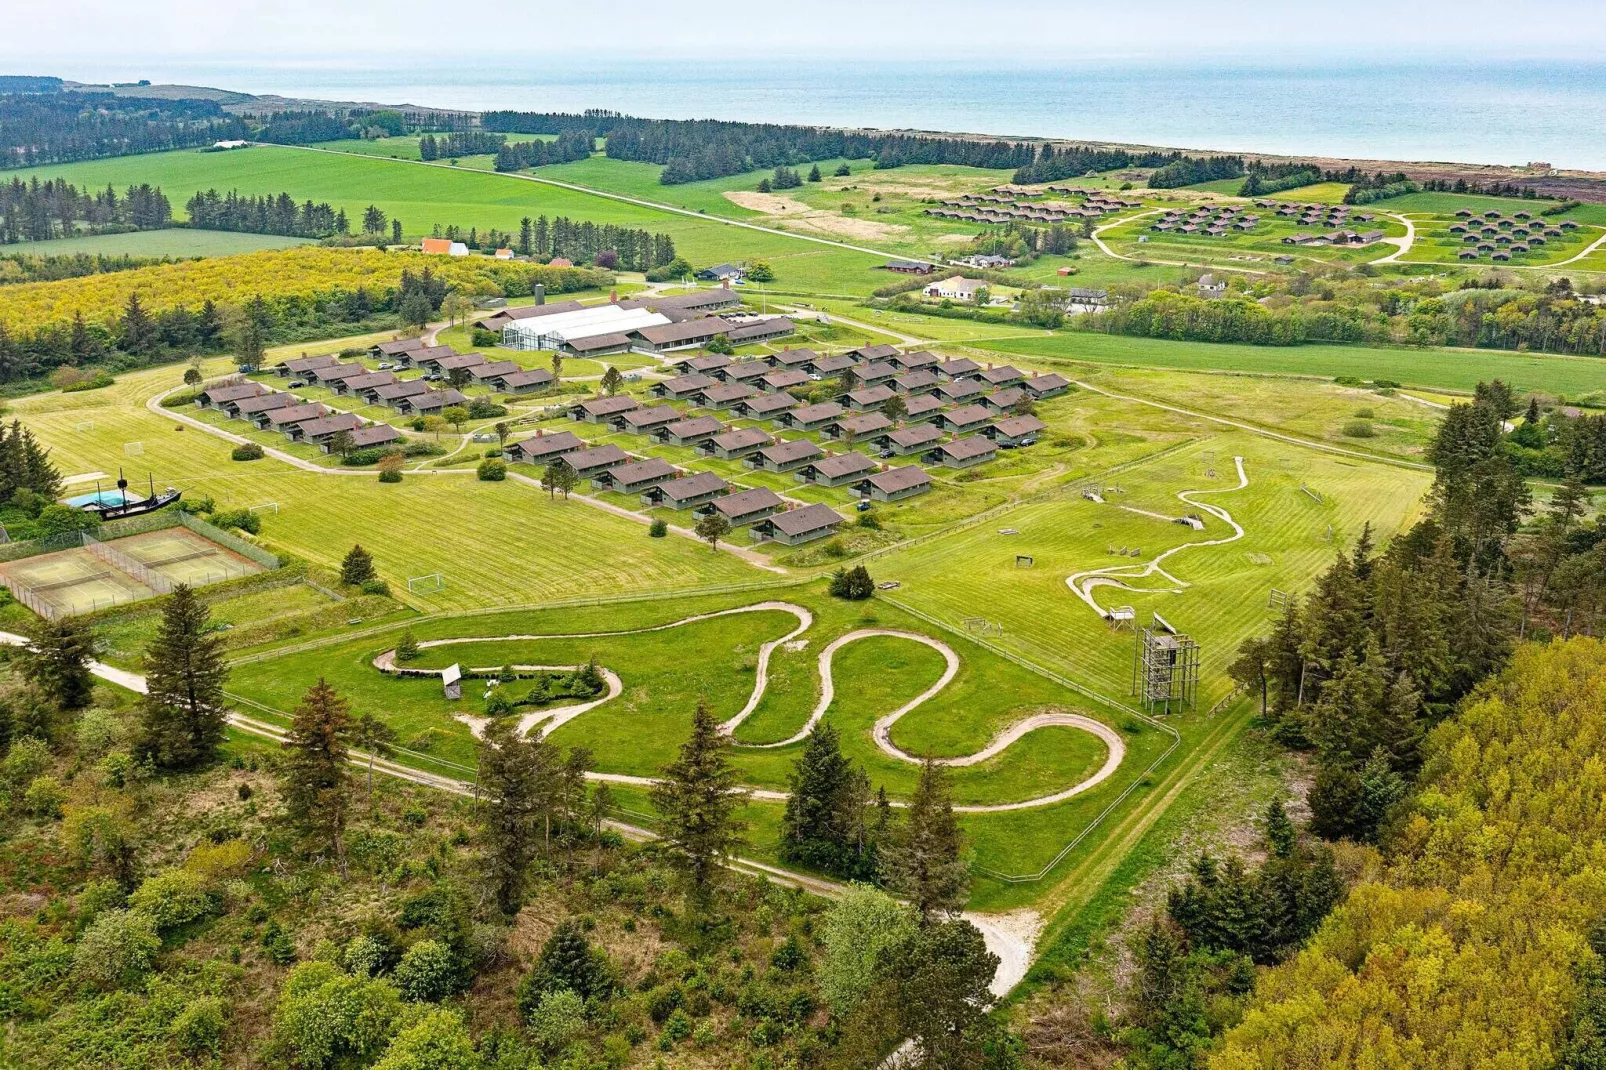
(316, 778)
(57, 662)
(518, 775)
(1280, 832)
(182, 714)
(357, 567)
(824, 823)
(698, 799)
(924, 861)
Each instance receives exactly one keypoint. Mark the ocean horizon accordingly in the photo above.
(1510, 113)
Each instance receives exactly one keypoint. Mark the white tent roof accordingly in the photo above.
(586, 323)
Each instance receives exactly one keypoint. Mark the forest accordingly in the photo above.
(66, 126)
(40, 211)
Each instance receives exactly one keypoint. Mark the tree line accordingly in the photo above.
(569, 146)
(1189, 170)
(583, 242)
(26, 267)
(55, 208)
(62, 127)
(1274, 178)
(1052, 163)
(459, 143)
(267, 214)
(1168, 314)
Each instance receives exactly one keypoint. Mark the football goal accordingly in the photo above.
(427, 584)
(134, 449)
(266, 507)
(84, 425)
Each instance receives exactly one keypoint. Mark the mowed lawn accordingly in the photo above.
(1290, 537)
(495, 543)
(1457, 369)
(425, 196)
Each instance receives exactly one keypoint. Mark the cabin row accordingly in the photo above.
(299, 421)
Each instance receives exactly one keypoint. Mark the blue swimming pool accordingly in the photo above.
(102, 498)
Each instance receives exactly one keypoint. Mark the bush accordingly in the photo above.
(180, 399)
(44, 797)
(244, 519)
(427, 973)
(391, 475)
(248, 451)
(853, 584)
(1359, 429)
(213, 861)
(407, 647)
(557, 1019)
(198, 1030)
(482, 337)
(325, 1016)
(116, 950)
(485, 409)
(57, 519)
(172, 898)
(433, 1040)
(375, 586)
(658, 528)
(492, 470)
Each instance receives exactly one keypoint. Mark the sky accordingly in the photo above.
(114, 39)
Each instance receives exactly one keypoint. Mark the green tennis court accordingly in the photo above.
(74, 581)
(185, 557)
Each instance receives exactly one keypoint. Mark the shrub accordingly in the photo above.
(117, 949)
(427, 973)
(870, 520)
(678, 1026)
(277, 943)
(365, 955)
(375, 586)
(248, 451)
(557, 1019)
(244, 519)
(492, 470)
(57, 519)
(483, 337)
(173, 897)
(198, 1030)
(325, 1016)
(567, 961)
(390, 475)
(180, 399)
(431, 1040)
(853, 584)
(44, 797)
(485, 409)
(213, 861)
(1359, 429)
(658, 528)
(98, 731)
(494, 453)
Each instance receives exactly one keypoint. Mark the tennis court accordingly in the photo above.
(75, 581)
(185, 557)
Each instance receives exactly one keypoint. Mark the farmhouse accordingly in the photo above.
(526, 382)
(963, 452)
(370, 436)
(796, 526)
(680, 387)
(689, 432)
(245, 408)
(720, 273)
(301, 365)
(957, 288)
(1015, 431)
(543, 447)
(907, 440)
(323, 428)
(735, 444)
(443, 247)
(836, 469)
(600, 410)
(748, 506)
(431, 401)
(723, 395)
(765, 406)
(636, 477)
(394, 394)
(850, 428)
(645, 421)
(810, 417)
(868, 398)
(785, 456)
(923, 381)
(895, 484)
(587, 463)
(214, 397)
(1046, 386)
(688, 492)
(706, 364)
(959, 391)
(288, 416)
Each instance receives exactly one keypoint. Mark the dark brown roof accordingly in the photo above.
(865, 423)
(651, 417)
(918, 435)
(895, 479)
(405, 389)
(697, 426)
(740, 438)
(483, 371)
(870, 395)
(692, 486)
(770, 404)
(596, 457)
(1016, 426)
(526, 378)
(607, 406)
(599, 341)
(843, 464)
(328, 425)
(374, 435)
(265, 402)
(766, 328)
(1047, 382)
(809, 518)
(707, 362)
(686, 384)
(436, 399)
(232, 392)
(547, 445)
(460, 360)
(689, 330)
(962, 449)
(825, 410)
(331, 372)
(747, 502)
(781, 379)
(723, 392)
(642, 471)
(785, 452)
(295, 414)
(874, 352)
(374, 380)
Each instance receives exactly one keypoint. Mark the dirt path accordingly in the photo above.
(1084, 583)
(1403, 245)
(1107, 251)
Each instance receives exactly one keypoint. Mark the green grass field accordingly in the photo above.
(175, 241)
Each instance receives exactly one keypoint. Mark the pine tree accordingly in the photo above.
(57, 662)
(698, 799)
(824, 820)
(182, 715)
(518, 774)
(357, 568)
(407, 646)
(925, 862)
(567, 961)
(316, 779)
(139, 330)
(1280, 832)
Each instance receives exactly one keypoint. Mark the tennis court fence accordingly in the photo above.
(119, 560)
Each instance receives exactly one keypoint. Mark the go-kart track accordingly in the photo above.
(549, 720)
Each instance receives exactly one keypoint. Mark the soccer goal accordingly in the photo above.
(427, 584)
(266, 507)
(84, 425)
(134, 449)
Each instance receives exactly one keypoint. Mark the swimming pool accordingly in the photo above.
(102, 498)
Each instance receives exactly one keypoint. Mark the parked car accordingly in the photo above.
(292, 384)
(386, 366)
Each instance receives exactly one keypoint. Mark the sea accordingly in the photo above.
(1500, 113)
